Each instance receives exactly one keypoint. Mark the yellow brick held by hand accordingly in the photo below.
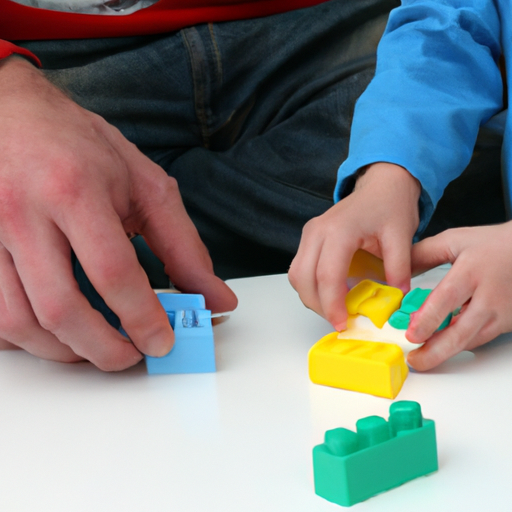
(365, 266)
(375, 300)
(370, 367)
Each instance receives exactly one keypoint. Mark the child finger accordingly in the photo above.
(451, 293)
(463, 334)
(431, 252)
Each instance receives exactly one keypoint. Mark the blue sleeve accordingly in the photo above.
(437, 80)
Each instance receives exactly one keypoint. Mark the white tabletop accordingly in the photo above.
(75, 439)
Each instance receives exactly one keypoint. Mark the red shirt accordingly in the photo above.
(19, 22)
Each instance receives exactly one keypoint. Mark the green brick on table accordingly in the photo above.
(350, 467)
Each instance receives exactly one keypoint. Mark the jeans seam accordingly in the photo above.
(197, 58)
(216, 50)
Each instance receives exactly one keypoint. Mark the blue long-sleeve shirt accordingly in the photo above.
(437, 81)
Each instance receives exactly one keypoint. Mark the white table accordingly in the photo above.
(76, 439)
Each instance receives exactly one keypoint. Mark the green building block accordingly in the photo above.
(410, 303)
(350, 467)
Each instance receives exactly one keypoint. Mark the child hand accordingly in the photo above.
(379, 216)
(479, 282)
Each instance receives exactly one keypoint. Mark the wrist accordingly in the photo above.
(383, 173)
(392, 184)
(19, 76)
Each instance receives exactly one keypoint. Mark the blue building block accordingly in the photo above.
(350, 467)
(193, 350)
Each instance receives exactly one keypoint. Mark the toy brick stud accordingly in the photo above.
(372, 430)
(193, 350)
(341, 441)
(405, 415)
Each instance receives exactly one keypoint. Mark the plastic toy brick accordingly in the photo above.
(412, 302)
(375, 300)
(365, 266)
(350, 467)
(193, 350)
(369, 367)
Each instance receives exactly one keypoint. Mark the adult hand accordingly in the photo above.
(479, 282)
(70, 181)
(379, 216)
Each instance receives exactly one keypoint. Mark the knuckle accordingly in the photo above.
(110, 362)
(53, 315)
(432, 318)
(107, 364)
(162, 190)
(294, 274)
(447, 234)
(446, 240)
(98, 123)
(311, 226)
(65, 183)
(169, 188)
(324, 277)
(489, 332)
(10, 204)
(14, 321)
(308, 300)
(459, 342)
(108, 272)
(322, 227)
(491, 327)
(67, 357)
(449, 292)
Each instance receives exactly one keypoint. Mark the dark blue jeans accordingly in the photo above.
(252, 117)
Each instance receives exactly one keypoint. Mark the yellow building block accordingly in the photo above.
(365, 266)
(375, 300)
(369, 367)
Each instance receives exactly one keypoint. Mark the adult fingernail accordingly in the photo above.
(159, 345)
